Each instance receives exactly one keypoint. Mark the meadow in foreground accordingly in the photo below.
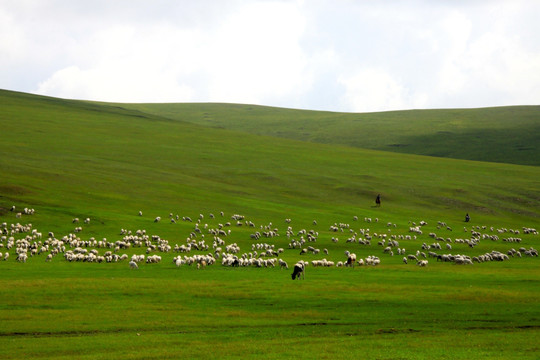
(63, 309)
(70, 159)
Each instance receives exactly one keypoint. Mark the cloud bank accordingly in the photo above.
(326, 55)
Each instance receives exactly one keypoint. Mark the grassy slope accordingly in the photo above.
(512, 133)
(81, 158)
(68, 158)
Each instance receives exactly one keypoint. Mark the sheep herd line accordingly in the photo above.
(207, 244)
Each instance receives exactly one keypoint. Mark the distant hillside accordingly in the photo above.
(500, 134)
(75, 158)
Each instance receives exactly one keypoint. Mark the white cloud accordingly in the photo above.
(256, 54)
(502, 64)
(122, 63)
(252, 55)
(372, 89)
(485, 62)
(456, 32)
(122, 85)
(333, 55)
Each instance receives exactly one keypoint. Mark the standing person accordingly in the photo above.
(378, 200)
(467, 218)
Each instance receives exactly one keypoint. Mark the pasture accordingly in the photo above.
(81, 309)
(513, 131)
(70, 159)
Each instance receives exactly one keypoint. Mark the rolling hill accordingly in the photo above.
(106, 162)
(500, 134)
(75, 157)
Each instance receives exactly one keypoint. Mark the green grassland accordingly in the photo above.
(68, 159)
(502, 134)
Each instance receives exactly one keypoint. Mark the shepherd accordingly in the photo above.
(378, 200)
(467, 217)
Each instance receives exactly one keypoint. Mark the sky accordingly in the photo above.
(335, 55)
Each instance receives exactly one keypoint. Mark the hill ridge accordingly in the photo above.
(505, 134)
(502, 134)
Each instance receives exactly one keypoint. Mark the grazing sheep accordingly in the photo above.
(157, 219)
(372, 260)
(299, 271)
(351, 259)
(22, 257)
(422, 263)
(153, 259)
(133, 265)
(283, 264)
(462, 260)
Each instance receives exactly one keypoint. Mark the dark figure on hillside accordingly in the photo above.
(467, 217)
(378, 200)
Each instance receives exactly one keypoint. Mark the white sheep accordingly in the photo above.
(153, 259)
(22, 257)
(372, 260)
(133, 265)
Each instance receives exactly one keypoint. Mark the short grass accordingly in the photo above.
(64, 310)
(71, 159)
(502, 134)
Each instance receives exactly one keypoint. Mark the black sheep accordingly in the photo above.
(298, 271)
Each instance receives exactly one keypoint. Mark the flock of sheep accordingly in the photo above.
(207, 245)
